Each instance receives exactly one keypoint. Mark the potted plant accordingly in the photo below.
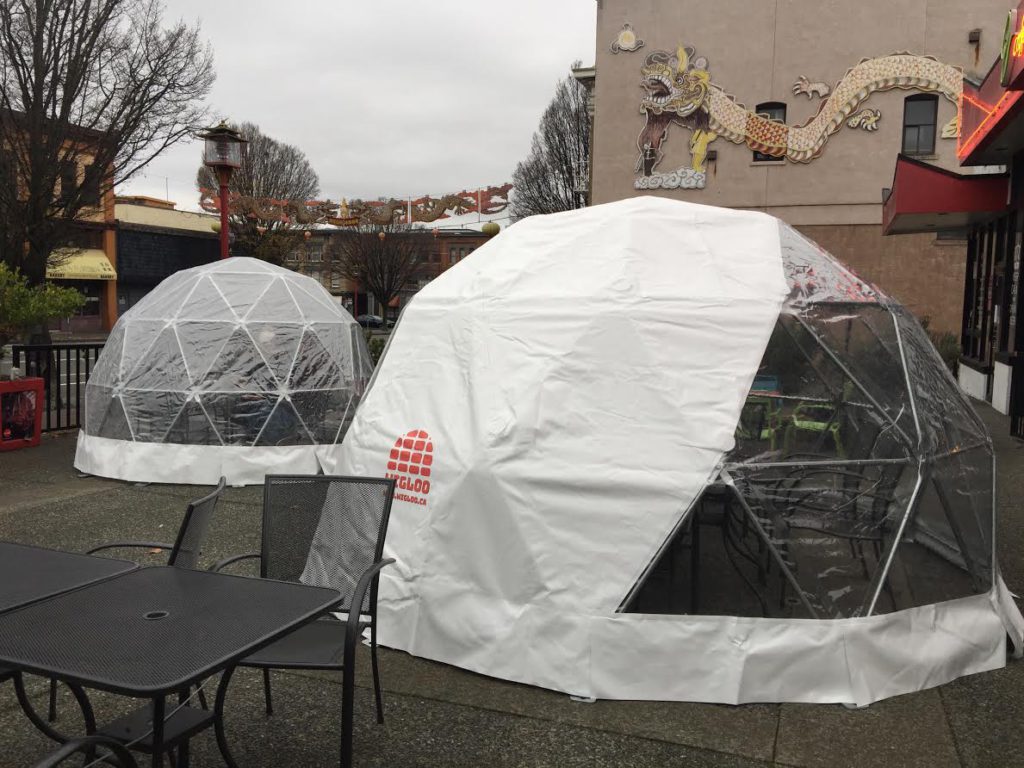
(23, 307)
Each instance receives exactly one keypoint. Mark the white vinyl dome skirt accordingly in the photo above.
(235, 368)
(658, 450)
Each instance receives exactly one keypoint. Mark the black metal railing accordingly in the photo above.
(64, 369)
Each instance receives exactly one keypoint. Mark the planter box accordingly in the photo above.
(21, 413)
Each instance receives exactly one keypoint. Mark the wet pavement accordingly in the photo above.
(442, 716)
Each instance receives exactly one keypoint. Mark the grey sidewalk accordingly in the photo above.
(442, 716)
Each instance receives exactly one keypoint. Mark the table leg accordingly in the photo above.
(158, 732)
(41, 724)
(182, 760)
(218, 718)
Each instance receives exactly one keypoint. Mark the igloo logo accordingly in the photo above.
(410, 464)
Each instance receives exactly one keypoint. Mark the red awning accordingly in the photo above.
(926, 198)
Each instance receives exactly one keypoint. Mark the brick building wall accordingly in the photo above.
(924, 274)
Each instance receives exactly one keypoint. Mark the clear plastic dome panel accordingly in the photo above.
(947, 420)
(814, 276)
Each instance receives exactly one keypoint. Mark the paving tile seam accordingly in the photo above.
(952, 730)
(775, 740)
(524, 716)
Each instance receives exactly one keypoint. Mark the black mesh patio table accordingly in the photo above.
(28, 574)
(155, 632)
(31, 573)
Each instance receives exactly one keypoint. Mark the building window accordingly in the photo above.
(84, 238)
(457, 253)
(68, 180)
(919, 113)
(90, 187)
(8, 175)
(315, 251)
(774, 110)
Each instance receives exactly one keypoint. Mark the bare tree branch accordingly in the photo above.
(384, 259)
(91, 91)
(552, 176)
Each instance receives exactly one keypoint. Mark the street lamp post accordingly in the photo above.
(222, 152)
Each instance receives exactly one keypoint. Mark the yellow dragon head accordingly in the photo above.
(672, 84)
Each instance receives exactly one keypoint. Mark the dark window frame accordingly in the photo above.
(919, 128)
(68, 175)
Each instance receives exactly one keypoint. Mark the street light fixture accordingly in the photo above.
(222, 152)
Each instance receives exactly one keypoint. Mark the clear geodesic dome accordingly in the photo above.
(237, 367)
(679, 452)
(861, 481)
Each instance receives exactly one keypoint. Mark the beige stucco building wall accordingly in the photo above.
(756, 51)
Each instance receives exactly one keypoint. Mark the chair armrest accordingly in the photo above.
(222, 564)
(117, 750)
(131, 544)
(356, 606)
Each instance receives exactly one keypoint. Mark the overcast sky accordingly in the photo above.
(386, 99)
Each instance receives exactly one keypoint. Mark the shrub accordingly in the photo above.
(23, 307)
(946, 344)
(377, 344)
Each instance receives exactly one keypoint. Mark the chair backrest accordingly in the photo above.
(192, 534)
(324, 530)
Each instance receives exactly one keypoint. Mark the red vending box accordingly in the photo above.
(21, 413)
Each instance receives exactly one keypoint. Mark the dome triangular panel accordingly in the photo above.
(239, 367)
(314, 366)
(241, 290)
(276, 304)
(205, 302)
(201, 342)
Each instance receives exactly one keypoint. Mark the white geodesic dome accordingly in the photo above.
(657, 450)
(236, 368)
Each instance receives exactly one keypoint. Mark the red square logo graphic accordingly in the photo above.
(409, 464)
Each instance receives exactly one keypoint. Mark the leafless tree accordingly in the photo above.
(553, 177)
(384, 259)
(272, 174)
(90, 92)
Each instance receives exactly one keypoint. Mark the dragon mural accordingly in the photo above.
(678, 90)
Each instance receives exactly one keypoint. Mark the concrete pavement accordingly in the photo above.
(442, 716)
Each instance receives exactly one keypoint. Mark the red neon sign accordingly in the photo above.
(1002, 107)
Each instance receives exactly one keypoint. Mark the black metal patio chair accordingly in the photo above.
(184, 552)
(325, 531)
